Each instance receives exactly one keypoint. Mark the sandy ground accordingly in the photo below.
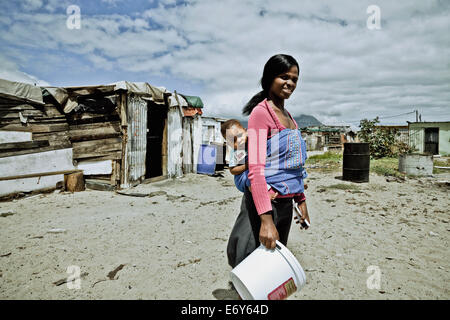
(172, 245)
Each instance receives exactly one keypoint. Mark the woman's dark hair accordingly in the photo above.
(275, 66)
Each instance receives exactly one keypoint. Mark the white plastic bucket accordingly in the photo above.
(268, 274)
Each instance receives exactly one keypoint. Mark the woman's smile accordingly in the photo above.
(284, 84)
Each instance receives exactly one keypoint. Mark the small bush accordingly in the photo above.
(382, 142)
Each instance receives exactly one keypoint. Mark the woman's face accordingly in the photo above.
(284, 84)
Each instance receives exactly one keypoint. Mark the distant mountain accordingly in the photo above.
(303, 120)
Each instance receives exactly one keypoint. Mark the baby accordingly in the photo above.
(237, 141)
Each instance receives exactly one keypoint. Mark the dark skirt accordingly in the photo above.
(244, 237)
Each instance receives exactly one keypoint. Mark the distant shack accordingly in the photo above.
(327, 138)
(430, 137)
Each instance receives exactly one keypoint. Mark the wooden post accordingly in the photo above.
(75, 182)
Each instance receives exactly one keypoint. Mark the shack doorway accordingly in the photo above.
(432, 140)
(156, 158)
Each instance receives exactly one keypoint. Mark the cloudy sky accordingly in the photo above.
(217, 49)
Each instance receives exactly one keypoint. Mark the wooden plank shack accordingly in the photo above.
(120, 134)
(35, 151)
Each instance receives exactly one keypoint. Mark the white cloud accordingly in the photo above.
(30, 5)
(346, 70)
(11, 71)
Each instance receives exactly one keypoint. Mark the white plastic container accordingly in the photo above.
(268, 274)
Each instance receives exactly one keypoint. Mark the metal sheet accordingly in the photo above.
(137, 138)
(174, 142)
(187, 144)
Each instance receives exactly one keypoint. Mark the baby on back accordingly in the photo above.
(235, 136)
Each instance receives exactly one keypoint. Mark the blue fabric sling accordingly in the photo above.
(286, 156)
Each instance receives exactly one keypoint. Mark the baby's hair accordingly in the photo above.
(228, 124)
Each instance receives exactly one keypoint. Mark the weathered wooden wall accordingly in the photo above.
(174, 142)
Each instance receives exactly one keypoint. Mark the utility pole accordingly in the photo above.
(417, 116)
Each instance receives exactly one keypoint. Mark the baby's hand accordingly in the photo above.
(273, 195)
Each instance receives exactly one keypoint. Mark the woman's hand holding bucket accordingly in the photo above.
(268, 233)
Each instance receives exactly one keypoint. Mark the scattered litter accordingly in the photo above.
(132, 194)
(65, 280)
(174, 198)
(6, 254)
(98, 282)
(35, 196)
(7, 213)
(56, 230)
(395, 179)
(217, 238)
(60, 282)
(191, 261)
(113, 273)
(433, 234)
(156, 193)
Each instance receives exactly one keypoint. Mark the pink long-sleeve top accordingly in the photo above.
(262, 124)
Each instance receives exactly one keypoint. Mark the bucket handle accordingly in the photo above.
(292, 267)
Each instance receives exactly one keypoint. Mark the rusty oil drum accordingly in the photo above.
(356, 162)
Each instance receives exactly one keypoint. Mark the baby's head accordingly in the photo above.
(234, 133)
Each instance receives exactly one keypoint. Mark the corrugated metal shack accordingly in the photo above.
(119, 134)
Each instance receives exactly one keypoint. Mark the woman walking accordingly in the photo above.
(262, 220)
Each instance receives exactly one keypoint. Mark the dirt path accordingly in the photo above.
(172, 245)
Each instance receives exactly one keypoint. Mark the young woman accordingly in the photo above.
(262, 220)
